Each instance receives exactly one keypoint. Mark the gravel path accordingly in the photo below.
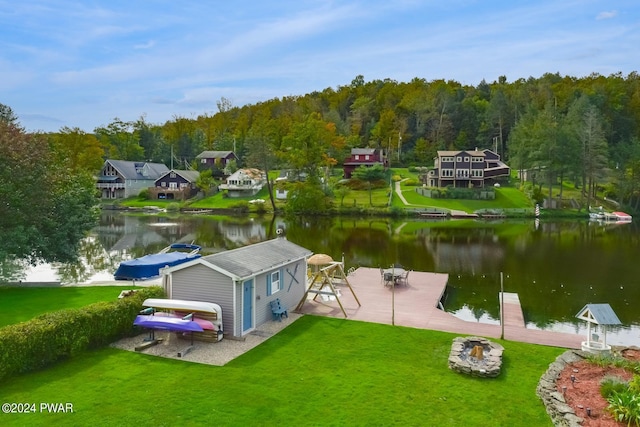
(219, 353)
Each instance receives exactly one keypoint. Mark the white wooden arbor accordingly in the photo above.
(601, 315)
(322, 282)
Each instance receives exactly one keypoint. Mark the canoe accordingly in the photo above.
(204, 324)
(167, 323)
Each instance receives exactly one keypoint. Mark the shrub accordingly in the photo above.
(57, 335)
(260, 208)
(634, 384)
(625, 407)
(143, 194)
(614, 360)
(612, 384)
(173, 207)
(412, 182)
(307, 198)
(241, 206)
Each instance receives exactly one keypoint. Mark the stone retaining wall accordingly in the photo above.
(561, 414)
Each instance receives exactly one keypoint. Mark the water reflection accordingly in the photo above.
(556, 268)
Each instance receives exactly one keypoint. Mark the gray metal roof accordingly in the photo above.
(250, 260)
(214, 154)
(601, 314)
(363, 151)
(136, 170)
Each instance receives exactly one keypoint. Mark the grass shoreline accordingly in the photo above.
(510, 202)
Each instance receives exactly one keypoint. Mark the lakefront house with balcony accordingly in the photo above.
(466, 168)
(244, 182)
(119, 179)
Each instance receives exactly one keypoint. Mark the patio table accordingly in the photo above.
(391, 275)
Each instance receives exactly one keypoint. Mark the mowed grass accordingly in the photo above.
(318, 371)
(506, 198)
(21, 304)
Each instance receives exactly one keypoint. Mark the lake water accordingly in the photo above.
(555, 267)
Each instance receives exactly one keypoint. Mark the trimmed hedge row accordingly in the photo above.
(57, 335)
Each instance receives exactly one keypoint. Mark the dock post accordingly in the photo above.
(501, 306)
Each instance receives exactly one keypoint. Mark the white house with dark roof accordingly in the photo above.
(243, 282)
(119, 179)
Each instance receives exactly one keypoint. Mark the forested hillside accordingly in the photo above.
(584, 130)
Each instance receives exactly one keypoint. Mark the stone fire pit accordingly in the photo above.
(476, 356)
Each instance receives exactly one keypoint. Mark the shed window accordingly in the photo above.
(274, 282)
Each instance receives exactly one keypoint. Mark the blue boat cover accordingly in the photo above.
(149, 266)
(167, 323)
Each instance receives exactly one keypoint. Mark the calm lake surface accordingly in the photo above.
(555, 267)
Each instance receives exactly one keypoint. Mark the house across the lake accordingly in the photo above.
(364, 157)
(217, 161)
(119, 179)
(243, 282)
(244, 182)
(175, 185)
(466, 168)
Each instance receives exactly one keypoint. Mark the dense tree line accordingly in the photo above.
(48, 192)
(585, 130)
(582, 130)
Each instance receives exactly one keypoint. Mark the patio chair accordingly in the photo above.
(388, 279)
(404, 279)
(278, 310)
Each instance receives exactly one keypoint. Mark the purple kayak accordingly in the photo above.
(167, 323)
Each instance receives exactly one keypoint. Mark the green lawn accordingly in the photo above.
(21, 304)
(318, 371)
(506, 198)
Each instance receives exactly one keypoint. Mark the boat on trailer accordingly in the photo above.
(148, 266)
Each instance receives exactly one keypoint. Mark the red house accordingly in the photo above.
(364, 157)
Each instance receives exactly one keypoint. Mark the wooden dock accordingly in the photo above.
(416, 305)
(511, 310)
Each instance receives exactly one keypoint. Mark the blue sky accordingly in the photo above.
(84, 63)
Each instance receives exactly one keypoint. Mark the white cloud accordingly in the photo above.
(124, 59)
(607, 15)
(147, 45)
